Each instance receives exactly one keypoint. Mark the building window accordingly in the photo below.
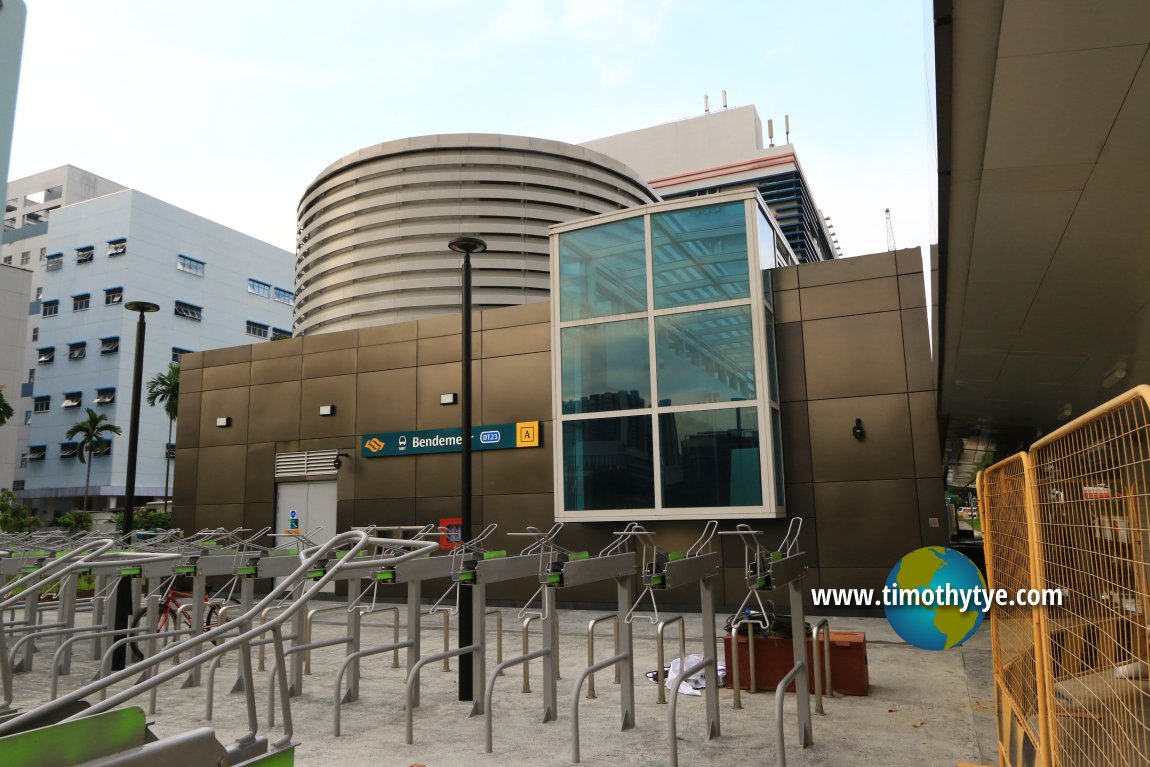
(170, 451)
(700, 255)
(110, 345)
(85, 255)
(50, 308)
(190, 265)
(279, 334)
(25, 258)
(284, 296)
(35, 334)
(189, 311)
(41, 404)
(37, 452)
(27, 417)
(81, 302)
(55, 261)
(257, 330)
(23, 462)
(603, 270)
(69, 449)
(72, 399)
(177, 353)
(46, 355)
(103, 447)
(43, 253)
(38, 217)
(117, 247)
(78, 350)
(39, 293)
(8, 260)
(31, 375)
(260, 288)
(105, 396)
(113, 296)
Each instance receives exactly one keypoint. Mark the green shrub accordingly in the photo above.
(76, 521)
(14, 518)
(144, 518)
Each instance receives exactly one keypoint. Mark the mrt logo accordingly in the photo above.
(374, 445)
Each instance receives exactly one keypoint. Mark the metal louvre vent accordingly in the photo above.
(305, 464)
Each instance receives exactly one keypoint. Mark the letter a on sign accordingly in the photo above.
(527, 434)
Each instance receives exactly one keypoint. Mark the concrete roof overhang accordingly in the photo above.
(1044, 213)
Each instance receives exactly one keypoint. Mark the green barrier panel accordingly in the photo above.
(72, 743)
(284, 758)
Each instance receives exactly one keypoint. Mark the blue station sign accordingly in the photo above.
(500, 436)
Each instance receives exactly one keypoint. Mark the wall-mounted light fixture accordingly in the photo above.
(1066, 410)
(224, 422)
(337, 462)
(447, 399)
(858, 431)
(1114, 375)
(326, 410)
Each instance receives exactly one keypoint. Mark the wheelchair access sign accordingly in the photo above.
(500, 436)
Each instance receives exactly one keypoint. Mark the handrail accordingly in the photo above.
(588, 672)
(413, 676)
(672, 729)
(780, 696)
(489, 691)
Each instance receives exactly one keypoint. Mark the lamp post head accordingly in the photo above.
(467, 245)
(142, 306)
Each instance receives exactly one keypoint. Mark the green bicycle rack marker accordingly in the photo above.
(675, 555)
(84, 740)
(185, 570)
(249, 570)
(657, 580)
(575, 555)
(761, 583)
(554, 579)
(385, 575)
(130, 571)
(467, 575)
(495, 554)
(284, 758)
(28, 570)
(316, 574)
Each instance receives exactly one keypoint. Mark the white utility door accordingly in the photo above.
(305, 506)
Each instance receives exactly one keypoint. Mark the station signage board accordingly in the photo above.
(500, 436)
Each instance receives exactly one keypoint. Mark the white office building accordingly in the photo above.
(215, 287)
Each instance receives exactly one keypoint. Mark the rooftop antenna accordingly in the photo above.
(787, 124)
(771, 131)
(889, 232)
(724, 99)
(706, 104)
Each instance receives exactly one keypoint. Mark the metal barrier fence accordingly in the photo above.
(1072, 516)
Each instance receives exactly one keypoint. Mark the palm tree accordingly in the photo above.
(91, 432)
(5, 408)
(164, 388)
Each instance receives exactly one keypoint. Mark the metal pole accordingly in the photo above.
(124, 604)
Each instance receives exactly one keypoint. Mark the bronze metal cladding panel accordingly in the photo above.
(383, 511)
(230, 355)
(790, 356)
(774, 530)
(796, 442)
(184, 517)
(521, 339)
(228, 515)
(385, 477)
(448, 324)
(801, 500)
(334, 390)
(386, 400)
(259, 515)
(431, 510)
(184, 477)
(337, 362)
(911, 290)
(260, 486)
(224, 403)
(924, 431)
(437, 349)
(439, 473)
(515, 513)
(191, 380)
(278, 369)
(886, 453)
(274, 412)
(909, 260)
(191, 361)
(226, 376)
(524, 314)
(867, 524)
(786, 278)
(342, 442)
(930, 505)
(787, 306)
(522, 470)
(847, 270)
(386, 334)
(435, 380)
(916, 342)
(387, 356)
(188, 424)
(326, 342)
(853, 356)
(285, 347)
(221, 475)
(846, 298)
(517, 388)
(343, 515)
(854, 577)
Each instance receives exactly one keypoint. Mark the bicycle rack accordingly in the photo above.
(766, 569)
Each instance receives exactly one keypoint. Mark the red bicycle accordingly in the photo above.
(171, 616)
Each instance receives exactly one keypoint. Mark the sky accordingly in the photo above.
(229, 109)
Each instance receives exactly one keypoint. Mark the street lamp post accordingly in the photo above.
(466, 246)
(124, 606)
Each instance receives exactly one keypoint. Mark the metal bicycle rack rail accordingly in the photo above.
(767, 569)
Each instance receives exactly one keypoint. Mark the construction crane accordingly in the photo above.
(889, 232)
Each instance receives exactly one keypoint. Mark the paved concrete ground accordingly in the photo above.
(924, 708)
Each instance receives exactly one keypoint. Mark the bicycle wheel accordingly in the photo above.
(140, 620)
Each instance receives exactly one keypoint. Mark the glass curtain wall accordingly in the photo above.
(665, 376)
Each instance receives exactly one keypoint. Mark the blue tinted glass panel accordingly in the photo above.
(705, 356)
(602, 270)
(766, 240)
(608, 464)
(700, 255)
(606, 367)
(710, 458)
